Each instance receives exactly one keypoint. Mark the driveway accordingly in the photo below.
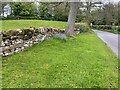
(110, 39)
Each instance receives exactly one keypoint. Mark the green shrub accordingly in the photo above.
(82, 27)
(9, 17)
(108, 28)
(102, 27)
(118, 29)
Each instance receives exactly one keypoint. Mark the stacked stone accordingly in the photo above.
(14, 46)
(16, 41)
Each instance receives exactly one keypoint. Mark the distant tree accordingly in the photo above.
(98, 17)
(54, 11)
(44, 12)
(108, 12)
(61, 12)
(88, 11)
(89, 5)
(2, 5)
(117, 13)
(108, 15)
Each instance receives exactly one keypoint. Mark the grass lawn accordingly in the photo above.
(84, 62)
(19, 24)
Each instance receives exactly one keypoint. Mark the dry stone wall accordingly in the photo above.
(14, 41)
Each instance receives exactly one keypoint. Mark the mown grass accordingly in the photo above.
(20, 24)
(81, 63)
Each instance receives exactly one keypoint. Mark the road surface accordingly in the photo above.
(111, 40)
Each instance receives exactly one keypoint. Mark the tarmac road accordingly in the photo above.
(112, 40)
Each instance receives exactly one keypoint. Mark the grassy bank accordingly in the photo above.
(83, 62)
(20, 24)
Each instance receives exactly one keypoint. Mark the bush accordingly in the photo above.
(108, 28)
(118, 29)
(102, 27)
(82, 27)
(9, 17)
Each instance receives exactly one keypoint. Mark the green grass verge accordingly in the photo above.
(84, 62)
(20, 24)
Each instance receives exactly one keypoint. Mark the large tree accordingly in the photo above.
(71, 19)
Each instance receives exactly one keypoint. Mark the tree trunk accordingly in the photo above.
(88, 14)
(71, 19)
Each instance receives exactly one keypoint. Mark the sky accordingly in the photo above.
(116, 0)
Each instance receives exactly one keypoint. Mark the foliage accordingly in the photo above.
(61, 12)
(10, 17)
(102, 26)
(82, 27)
(108, 15)
(118, 29)
(44, 11)
(23, 9)
(109, 28)
(54, 11)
